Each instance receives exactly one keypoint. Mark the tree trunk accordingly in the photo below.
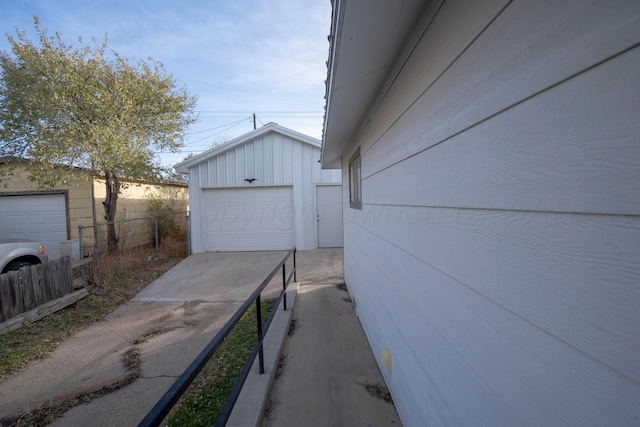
(110, 203)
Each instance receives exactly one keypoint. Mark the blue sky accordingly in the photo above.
(237, 56)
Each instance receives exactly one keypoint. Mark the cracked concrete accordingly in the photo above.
(191, 303)
(321, 381)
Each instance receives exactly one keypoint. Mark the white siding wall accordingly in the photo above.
(273, 159)
(497, 254)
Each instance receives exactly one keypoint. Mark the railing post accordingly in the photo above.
(259, 323)
(295, 270)
(284, 287)
(155, 221)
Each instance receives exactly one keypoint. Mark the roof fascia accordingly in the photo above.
(184, 166)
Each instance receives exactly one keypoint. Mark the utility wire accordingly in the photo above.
(228, 126)
(217, 127)
(261, 112)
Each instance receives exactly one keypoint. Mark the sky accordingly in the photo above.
(239, 57)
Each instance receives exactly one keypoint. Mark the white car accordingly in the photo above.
(15, 254)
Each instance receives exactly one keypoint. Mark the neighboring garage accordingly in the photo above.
(263, 191)
(54, 215)
(36, 216)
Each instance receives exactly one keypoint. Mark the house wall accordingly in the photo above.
(132, 203)
(495, 262)
(273, 159)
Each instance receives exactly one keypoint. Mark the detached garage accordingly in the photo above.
(264, 190)
(53, 215)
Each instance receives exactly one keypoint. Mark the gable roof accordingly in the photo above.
(184, 166)
(366, 39)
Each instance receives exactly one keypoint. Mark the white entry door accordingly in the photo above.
(329, 215)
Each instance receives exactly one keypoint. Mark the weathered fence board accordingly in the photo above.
(24, 290)
(38, 313)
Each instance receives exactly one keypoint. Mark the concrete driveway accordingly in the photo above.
(217, 277)
(169, 323)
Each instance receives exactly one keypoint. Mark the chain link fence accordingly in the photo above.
(164, 233)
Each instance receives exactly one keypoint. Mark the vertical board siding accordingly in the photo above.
(277, 173)
(274, 160)
(496, 254)
(195, 215)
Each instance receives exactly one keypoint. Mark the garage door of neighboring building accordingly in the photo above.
(41, 217)
(248, 219)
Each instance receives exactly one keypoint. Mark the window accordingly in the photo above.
(355, 181)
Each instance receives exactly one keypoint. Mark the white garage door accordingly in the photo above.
(41, 217)
(248, 219)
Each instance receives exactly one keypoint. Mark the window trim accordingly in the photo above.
(355, 181)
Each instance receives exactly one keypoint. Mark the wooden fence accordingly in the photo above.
(24, 290)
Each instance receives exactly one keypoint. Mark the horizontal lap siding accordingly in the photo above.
(497, 255)
(524, 50)
(513, 162)
(474, 352)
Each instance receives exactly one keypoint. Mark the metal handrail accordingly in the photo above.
(162, 408)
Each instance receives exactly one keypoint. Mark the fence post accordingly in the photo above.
(155, 220)
(81, 251)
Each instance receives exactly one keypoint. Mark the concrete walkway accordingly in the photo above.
(329, 376)
(326, 364)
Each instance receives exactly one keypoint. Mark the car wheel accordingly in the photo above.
(17, 265)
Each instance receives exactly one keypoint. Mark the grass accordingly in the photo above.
(204, 400)
(126, 276)
(25, 345)
(202, 403)
(378, 390)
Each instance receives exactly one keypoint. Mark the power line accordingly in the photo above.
(258, 111)
(217, 127)
(227, 127)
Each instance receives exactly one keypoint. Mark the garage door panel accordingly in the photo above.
(231, 223)
(248, 219)
(257, 228)
(40, 217)
(234, 243)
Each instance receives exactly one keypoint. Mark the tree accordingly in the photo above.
(88, 107)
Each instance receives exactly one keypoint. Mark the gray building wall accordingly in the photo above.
(495, 263)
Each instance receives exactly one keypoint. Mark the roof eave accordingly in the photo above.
(183, 167)
(365, 41)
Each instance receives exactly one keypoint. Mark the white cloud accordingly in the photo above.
(249, 55)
